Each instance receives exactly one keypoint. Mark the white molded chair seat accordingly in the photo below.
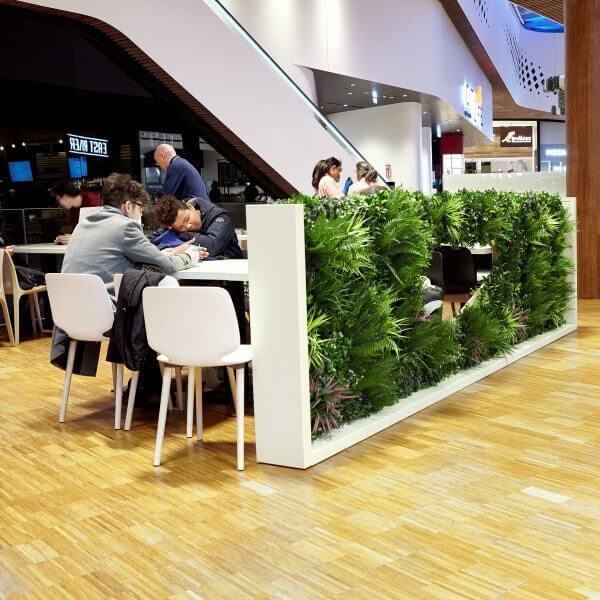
(82, 308)
(196, 327)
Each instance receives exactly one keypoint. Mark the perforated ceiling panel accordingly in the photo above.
(482, 10)
(530, 75)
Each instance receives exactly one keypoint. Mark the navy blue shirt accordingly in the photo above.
(183, 181)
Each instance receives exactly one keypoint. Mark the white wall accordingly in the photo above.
(405, 43)
(390, 134)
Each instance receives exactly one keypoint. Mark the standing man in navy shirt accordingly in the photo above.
(182, 179)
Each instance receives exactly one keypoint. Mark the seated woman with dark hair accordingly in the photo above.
(198, 222)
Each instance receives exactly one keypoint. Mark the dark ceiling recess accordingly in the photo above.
(150, 76)
(504, 105)
(553, 9)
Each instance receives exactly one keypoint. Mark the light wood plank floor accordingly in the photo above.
(493, 493)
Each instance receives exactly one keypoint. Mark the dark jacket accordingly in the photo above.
(128, 343)
(216, 234)
(86, 354)
(183, 181)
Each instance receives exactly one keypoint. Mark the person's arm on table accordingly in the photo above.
(138, 249)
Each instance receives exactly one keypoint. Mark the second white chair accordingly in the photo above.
(195, 327)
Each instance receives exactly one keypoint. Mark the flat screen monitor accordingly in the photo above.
(20, 170)
(78, 167)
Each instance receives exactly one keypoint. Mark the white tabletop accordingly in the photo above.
(478, 249)
(234, 269)
(47, 248)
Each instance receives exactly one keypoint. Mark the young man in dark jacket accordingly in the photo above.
(200, 222)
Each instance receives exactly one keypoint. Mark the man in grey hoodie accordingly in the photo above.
(111, 241)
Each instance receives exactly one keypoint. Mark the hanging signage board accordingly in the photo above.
(515, 137)
(555, 153)
(88, 146)
(473, 104)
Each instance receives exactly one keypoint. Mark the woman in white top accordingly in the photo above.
(366, 180)
(326, 178)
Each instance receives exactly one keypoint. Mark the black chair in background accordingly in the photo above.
(459, 275)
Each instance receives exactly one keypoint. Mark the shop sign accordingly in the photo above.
(89, 146)
(556, 153)
(515, 137)
(473, 104)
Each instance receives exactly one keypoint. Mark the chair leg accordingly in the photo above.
(189, 431)
(38, 312)
(199, 426)
(114, 374)
(119, 396)
(16, 319)
(179, 385)
(67, 383)
(239, 416)
(131, 399)
(162, 414)
(8, 322)
(32, 313)
(231, 377)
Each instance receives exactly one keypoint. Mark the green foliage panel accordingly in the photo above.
(369, 342)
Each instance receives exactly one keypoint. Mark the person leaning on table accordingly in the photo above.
(112, 241)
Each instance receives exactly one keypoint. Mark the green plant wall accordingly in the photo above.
(369, 343)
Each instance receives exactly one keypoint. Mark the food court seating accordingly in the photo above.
(210, 339)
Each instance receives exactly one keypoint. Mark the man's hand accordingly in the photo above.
(196, 254)
(63, 239)
(10, 250)
(181, 249)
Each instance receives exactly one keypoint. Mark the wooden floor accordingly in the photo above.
(492, 493)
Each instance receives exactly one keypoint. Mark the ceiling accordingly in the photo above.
(340, 93)
(553, 9)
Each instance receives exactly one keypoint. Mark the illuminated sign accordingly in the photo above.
(515, 137)
(554, 153)
(473, 104)
(89, 146)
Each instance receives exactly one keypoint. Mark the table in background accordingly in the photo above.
(46, 248)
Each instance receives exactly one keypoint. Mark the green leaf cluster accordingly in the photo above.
(366, 257)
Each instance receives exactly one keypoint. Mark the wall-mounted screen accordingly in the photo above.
(20, 170)
(78, 167)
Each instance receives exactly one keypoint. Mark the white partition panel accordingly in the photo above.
(276, 259)
(553, 183)
(279, 339)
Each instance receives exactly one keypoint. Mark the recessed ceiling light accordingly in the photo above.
(352, 85)
(1, 148)
(385, 96)
(405, 95)
(458, 131)
(345, 105)
(349, 93)
(12, 146)
(424, 112)
(60, 141)
(392, 97)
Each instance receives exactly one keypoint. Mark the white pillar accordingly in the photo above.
(426, 162)
(387, 135)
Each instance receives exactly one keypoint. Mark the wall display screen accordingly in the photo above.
(78, 167)
(88, 146)
(555, 153)
(515, 137)
(20, 171)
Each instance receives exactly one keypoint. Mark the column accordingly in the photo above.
(426, 162)
(387, 135)
(583, 135)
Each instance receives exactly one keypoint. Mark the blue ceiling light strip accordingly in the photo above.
(535, 22)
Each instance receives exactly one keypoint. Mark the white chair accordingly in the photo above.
(9, 286)
(82, 308)
(195, 327)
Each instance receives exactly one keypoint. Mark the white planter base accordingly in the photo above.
(355, 432)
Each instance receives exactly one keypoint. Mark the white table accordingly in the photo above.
(234, 269)
(477, 249)
(47, 248)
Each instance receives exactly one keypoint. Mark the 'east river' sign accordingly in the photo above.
(89, 146)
